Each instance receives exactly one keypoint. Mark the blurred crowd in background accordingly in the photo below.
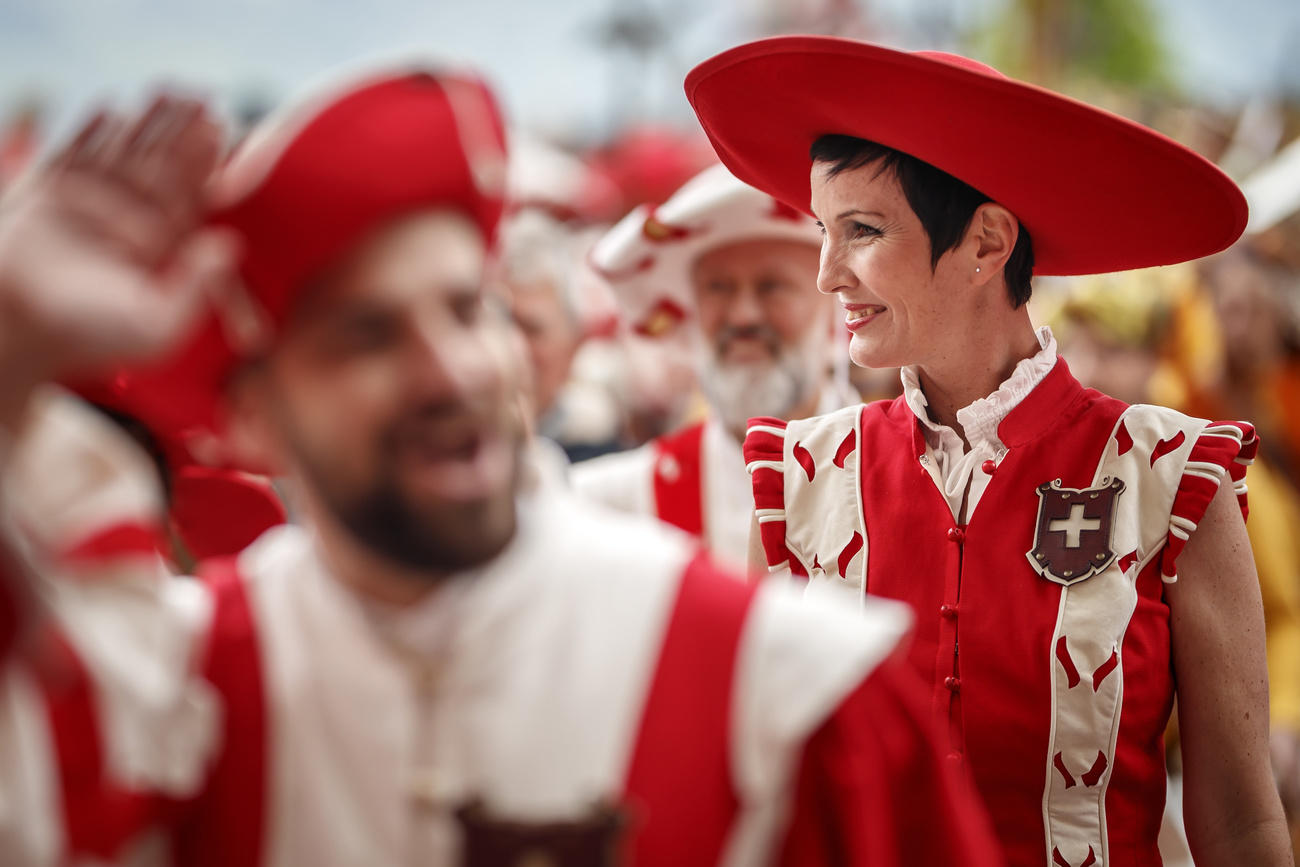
(1217, 339)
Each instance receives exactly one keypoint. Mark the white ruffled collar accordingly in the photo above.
(980, 420)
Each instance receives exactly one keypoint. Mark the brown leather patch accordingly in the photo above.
(593, 841)
(1075, 529)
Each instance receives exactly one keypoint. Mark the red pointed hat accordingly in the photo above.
(301, 191)
(1096, 191)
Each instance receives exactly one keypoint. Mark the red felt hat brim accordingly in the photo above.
(1097, 192)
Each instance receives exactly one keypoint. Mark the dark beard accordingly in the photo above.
(433, 541)
(434, 545)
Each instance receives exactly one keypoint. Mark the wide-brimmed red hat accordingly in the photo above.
(302, 190)
(1096, 192)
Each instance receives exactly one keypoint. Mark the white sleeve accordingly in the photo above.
(30, 830)
(621, 481)
(136, 629)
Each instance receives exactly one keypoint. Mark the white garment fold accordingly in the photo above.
(952, 466)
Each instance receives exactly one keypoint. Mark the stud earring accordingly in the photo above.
(977, 269)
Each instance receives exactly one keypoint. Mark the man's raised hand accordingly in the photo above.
(103, 252)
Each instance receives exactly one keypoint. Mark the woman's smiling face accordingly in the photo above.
(876, 259)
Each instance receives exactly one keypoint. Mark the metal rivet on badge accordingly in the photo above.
(1068, 573)
(1093, 496)
(1039, 556)
(1065, 496)
(1101, 556)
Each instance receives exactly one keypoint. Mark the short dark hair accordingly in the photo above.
(943, 204)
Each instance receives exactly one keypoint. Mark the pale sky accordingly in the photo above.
(540, 54)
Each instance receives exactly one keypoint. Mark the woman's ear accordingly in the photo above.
(995, 231)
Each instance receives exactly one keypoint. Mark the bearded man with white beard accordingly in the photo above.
(724, 269)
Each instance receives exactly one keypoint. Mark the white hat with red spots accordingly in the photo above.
(647, 256)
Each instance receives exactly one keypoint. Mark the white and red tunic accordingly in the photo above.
(1060, 696)
(693, 479)
(597, 688)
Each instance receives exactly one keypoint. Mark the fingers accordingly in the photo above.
(101, 250)
(75, 150)
(131, 316)
(203, 271)
(141, 183)
(151, 126)
(139, 232)
(170, 154)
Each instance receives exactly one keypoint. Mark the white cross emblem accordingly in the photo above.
(1074, 530)
(1074, 526)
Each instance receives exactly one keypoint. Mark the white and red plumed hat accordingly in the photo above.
(301, 191)
(646, 257)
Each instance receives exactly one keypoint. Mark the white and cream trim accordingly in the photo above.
(1148, 449)
(826, 450)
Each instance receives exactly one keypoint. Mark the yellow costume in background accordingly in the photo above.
(1167, 313)
(1274, 529)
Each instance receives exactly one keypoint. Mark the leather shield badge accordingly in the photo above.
(1075, 528)
(594, 840)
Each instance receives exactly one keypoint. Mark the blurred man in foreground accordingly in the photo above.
(433, 669)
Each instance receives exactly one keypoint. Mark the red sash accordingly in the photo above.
(678, 488)
(679, 787)
(99, 817)
(227, 826)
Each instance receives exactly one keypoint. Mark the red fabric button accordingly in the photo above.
(956, 534)
(952, 683)
(948, 612)
(989, 467)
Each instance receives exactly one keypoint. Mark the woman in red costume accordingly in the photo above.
(1087, 555)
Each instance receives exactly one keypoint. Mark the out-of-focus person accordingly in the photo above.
(557, 205)
(432, 667)
(1255, 307)
(1274, 241)
(538, 266)
(727, 273)
(1254, 301)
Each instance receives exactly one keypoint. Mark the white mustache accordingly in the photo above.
(768, 336)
